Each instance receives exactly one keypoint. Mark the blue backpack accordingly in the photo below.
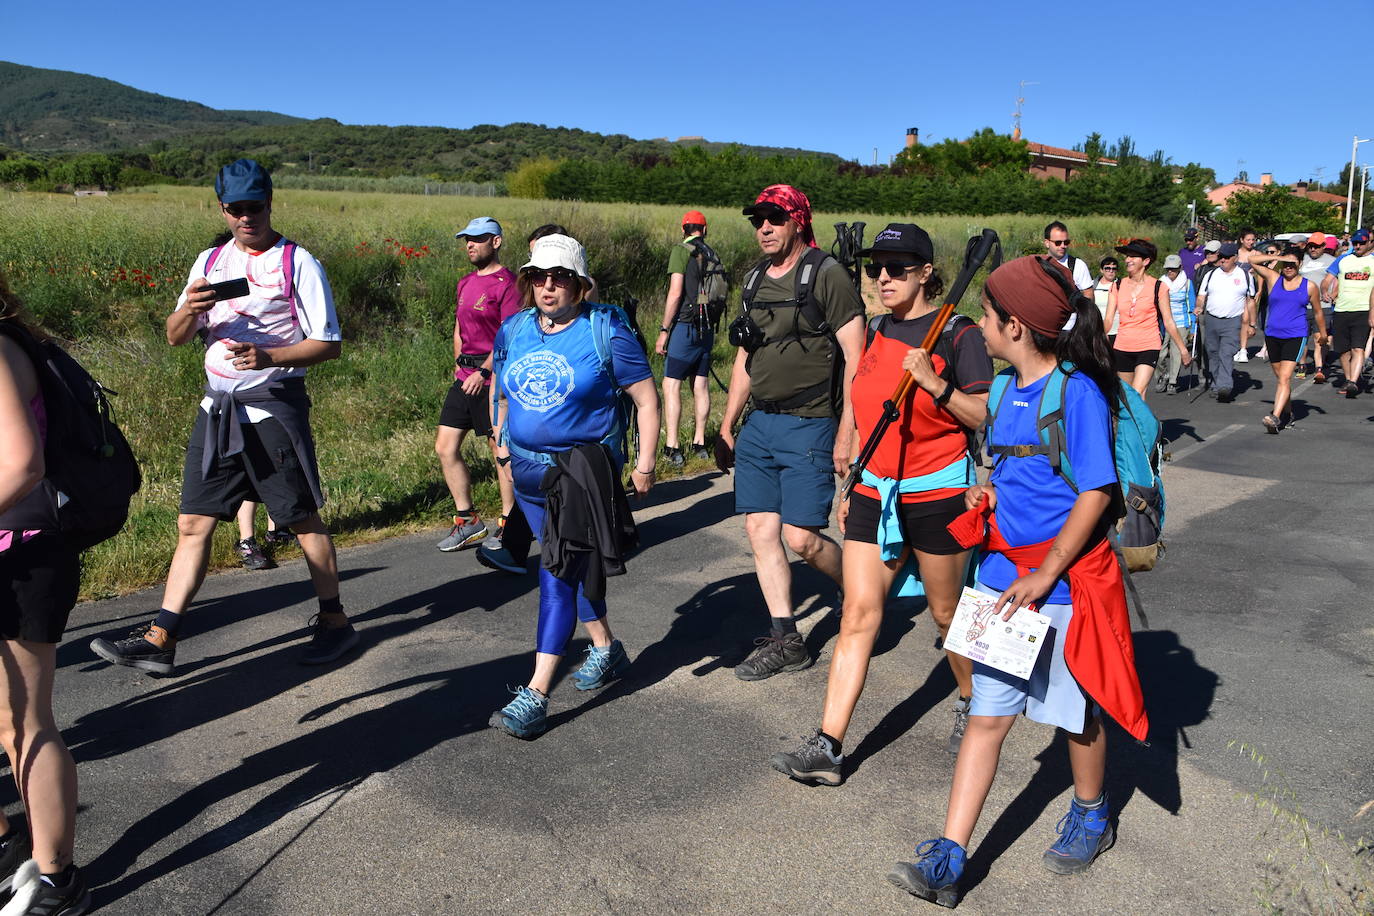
(1137, 444)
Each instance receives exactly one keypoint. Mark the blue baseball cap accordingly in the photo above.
(1360, 235)
(243, 179)
(482, 225)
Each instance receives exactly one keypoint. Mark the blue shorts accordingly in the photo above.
(1051, 695)
(689, 354)
(785, 464)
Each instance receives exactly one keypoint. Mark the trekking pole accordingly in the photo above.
(978, 250)
(1205, 375)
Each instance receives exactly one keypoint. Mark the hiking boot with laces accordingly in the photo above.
(1084, 834)
(935, 874)
(328, 643)
(956, 737)
(673, 455)
(35, 895)
(251, 555)
(603, 665)
(526, 716)
(465, 532)
(812, 762)
(147, 647)
(774, 654)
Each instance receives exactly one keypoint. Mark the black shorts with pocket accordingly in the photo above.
(267, 471)
(467, 411)
(1349, 331)
(39, 579)
(1127, 360)
(924, 525)
(1284, 349)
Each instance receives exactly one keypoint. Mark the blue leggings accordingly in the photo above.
(562, 601)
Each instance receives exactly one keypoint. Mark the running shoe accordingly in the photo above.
(1160, 384)
(251, 554)
(496, 556)
(1271, 424)
(1300, 372)
(956, 737)
(147, 647)
(1352, 389)
(701, 452)
(935, 874)
(1242, 356)
(603, 665)
(14, 852)
(1263, 353)
(35, 895)
(814, 762)
(328, 643)
(1319, 377)
(277, 538)
(466, 532)
(773, 655)
(1084, 834)
(674, 456)
(1224, 396)
(526, 716)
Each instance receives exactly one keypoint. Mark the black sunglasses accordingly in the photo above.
(895, 269)
(244, 208)
(561, 277)
(772, 218)
(1060, 242)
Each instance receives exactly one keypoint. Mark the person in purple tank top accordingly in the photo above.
(1291, 295)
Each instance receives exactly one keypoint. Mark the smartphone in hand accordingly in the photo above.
(230, 289)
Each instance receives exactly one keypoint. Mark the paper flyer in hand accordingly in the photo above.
(1007, 645)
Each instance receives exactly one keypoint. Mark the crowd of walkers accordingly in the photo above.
(559, 385)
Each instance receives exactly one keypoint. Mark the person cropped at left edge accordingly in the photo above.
(560, 368)
(251, 438)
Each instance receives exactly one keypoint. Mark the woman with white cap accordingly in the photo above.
(1181, 303)
(559, 368)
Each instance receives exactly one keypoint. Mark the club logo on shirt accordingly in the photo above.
(541, 380)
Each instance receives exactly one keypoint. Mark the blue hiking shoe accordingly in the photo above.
(1084, 834)
(935, 874)
(526, 716)
(601, 667)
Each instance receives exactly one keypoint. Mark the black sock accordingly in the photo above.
(835, 746)
(783, 625)
(61, 878)
(331, 605)
(465, 513)
(168, 621)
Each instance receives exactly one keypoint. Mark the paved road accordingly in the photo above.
(249, 784)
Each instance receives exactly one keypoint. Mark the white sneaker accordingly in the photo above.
(1241, 357)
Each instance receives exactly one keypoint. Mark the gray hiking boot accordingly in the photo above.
(466, 532)
(956, 737)
(774, 654)
(812, 762)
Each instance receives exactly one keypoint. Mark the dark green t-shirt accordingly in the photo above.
(781, 370)
(682, 261)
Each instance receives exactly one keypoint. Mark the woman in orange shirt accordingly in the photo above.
(1141, 303)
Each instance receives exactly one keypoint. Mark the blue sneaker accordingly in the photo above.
(601, 667)
(526, 716)
(1084, 834)
(935, 874)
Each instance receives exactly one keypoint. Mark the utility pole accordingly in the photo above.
(1364, 181)
(1020, 100)
(1350, 183)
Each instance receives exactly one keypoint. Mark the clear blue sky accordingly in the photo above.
(839, 77)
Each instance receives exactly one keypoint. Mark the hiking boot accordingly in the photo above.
(603, 665)
(147, 647)
(1224, 396)
(773, 655)
(1084, 834)
(496, 556)
(935, 874)
(674, 456)
(465, 533)
(14, 852)
(701, 452)
(328, 643)
(812, 762)
(251, 554)
(956, 737)
(278, 538)
(526, 716)
(35, 895)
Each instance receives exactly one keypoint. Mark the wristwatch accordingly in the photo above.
(486, 373)
(943, 398)
(665, 330)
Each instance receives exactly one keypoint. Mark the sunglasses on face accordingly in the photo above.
(895, 269)
(560, 276)
(479, 239)
(772, 218)
(1109, 267)
(1061, 242)
(244, 208)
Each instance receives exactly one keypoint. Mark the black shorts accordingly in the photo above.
(1127, 360)
(467, 411)
(267, 471)
(39, 579)
(1349, 331)
(923, 524)
(1284, 349)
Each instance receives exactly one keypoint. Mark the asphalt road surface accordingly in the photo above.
(250, 784)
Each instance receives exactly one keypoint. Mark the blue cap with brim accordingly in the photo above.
(1360, 235)
(243, 179)
(482, 225)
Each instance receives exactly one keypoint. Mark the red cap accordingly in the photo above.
(693, 218)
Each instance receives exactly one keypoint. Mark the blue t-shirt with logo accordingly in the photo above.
(558, 395)
(1033, 502)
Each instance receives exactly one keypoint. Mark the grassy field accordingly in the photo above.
(104, 273)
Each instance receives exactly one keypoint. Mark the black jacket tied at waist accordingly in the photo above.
(588, 528)
(286, 400)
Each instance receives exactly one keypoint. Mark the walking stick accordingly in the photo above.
(978, 250)
(1205, 376)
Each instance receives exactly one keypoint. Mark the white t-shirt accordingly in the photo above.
(1082, 277)
(265, 316)
(1226, 292)
(1314, 269)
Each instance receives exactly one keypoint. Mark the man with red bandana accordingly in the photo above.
(800, 337)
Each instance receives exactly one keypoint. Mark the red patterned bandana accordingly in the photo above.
(794, 203)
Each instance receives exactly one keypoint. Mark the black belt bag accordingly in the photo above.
(472, 360)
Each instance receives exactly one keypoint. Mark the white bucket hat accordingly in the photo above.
(559, 251)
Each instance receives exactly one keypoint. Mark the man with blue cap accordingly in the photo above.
(485, 298)
(263, 308)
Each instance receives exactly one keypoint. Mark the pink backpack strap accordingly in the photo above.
(288, 269)
(214, 256)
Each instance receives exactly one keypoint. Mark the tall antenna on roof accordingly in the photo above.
(1020, 100)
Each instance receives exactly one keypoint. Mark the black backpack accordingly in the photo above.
(91, 473)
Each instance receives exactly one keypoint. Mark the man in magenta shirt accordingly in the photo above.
(1192, 252)
(485, 298)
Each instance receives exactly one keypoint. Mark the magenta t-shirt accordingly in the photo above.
(483, 302)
